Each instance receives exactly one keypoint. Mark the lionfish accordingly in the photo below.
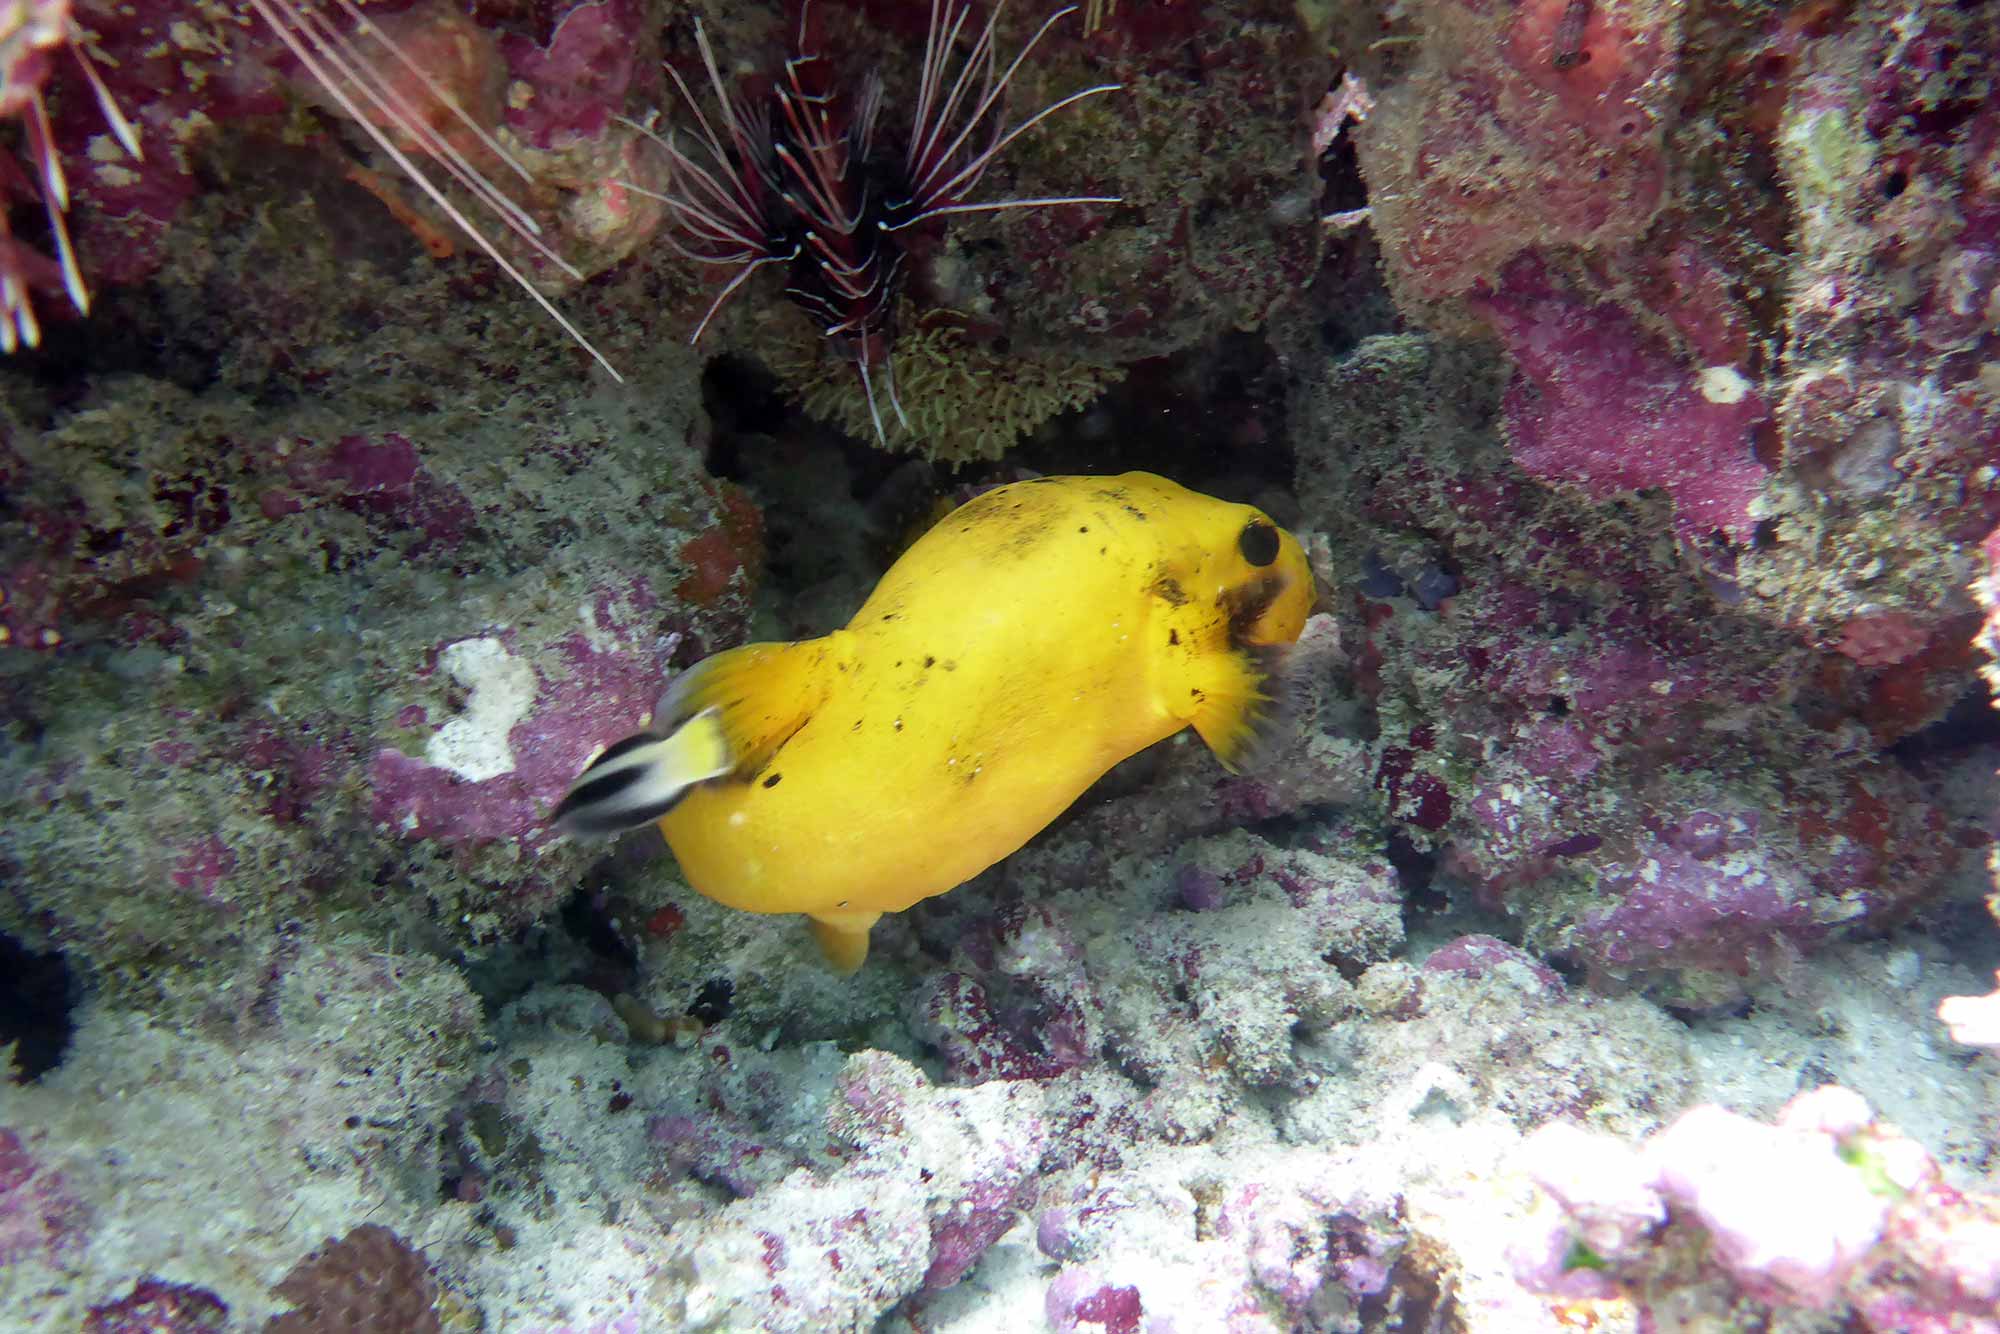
(801, 178)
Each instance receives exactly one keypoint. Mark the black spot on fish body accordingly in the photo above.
(1168, 589)
(773, 780)
(1136, 512)
(929, 662)
(1083, 528)
(1173, 637)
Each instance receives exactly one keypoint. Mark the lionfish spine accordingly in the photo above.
(350, 76)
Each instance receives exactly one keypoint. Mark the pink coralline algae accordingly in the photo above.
(1829, 1209)
(1600, 404)
(496, 776)
(988, 1204)
(203, 865)
(40, 1220)
(168, 72)
(1722, 909)
(922, 1181)
(977, 1189)
(572, 87)
(1298, 1242)
(1475, 158)
(1302, 1236)
(708, 1148)
(1788, 341)
(1024, 1009)
(1717, 891)
(1079, 1302)
(1476, 956)
(155, 1306)
(384, 480)
(1567, 726)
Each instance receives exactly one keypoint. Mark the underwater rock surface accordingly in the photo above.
(1609, 946)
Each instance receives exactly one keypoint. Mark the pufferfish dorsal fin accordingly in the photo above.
(761, 694)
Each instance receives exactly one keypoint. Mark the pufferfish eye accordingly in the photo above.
(1258, 543)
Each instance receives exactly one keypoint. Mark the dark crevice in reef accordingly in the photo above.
(37, 992)
(587, 922)
(1416, 868)
(120, 338)
(1211, 417)
(742, 398)
(1964, 926)
(1969, 723)
(606, 961)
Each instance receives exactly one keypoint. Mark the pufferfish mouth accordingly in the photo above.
(1247, 603)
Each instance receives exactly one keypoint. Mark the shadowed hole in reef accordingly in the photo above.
(1971, 721)
(1417, 869)
(36, 992)
(742, 398)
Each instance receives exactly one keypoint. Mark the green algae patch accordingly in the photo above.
(964, 401)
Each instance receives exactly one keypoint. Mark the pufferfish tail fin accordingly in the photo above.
(725, 715)
(1247, 703)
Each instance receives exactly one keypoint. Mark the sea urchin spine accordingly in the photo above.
(798, 180)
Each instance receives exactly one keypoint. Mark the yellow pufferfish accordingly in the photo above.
(1029, 641)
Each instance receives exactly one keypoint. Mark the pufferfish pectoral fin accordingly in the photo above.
(1244, 703)
(843, 938)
